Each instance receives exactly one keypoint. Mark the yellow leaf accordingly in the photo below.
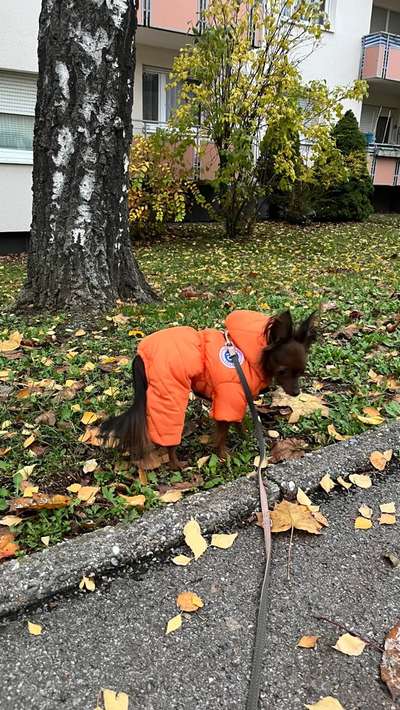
(90, 466)
(115, 701)
(87, 583)
(373, 421)
(361, 480)
(13, 342)
(385, 508)
(34, 629)
(134, 501)
(288, 515)
(202, 461)
(326, 483)
(303, 499)
(111, 391)
(89, 418)
(135, 332)
(365, 511)
(327, 703)
(189, 601)
(335, 434)
(301, 406)
(10, 520)
(78, 333)
(387, 519)
(87, 494)
(75, 407)
(343, 483)
(181, 560)
(350, 645)
(4, 374)
(194, 538)
(362, 523)
(29, 441)
(74, 487)
(224, 542)
(256, 462)
(378, 460)
(171, 496)
(26, 471)
(308, 641)
(45, 540)
(88, 367)
(174, 624)
(29, 491)
(92, 437)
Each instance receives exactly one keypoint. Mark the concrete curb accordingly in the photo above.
(28, 581)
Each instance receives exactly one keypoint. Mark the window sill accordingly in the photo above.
(16, 157)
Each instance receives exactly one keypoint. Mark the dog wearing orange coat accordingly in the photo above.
(172, 363)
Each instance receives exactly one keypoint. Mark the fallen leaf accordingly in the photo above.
(153, 460)
(308, 642)
(288, 449)
(273, 434)
(394, 560)
(87, 494)
(390, 664)
(365, 511)
(181, 560)
(79, 333)
(201, 461)
(350, 645)
(87, 583)
(326, 483)
(174, 624)
(26, 471)
(384, 508)
(361, 480)
(136, 333)
(92, 437)
(223, 541)
(362, 523)
(303, 499)
(378, 460)
(34, 629)
(89, 417)
(45, 540)
(343, 483)
(13, 342)
(74, 487)
(39, 501)
(328, 306)
(120, 319)
(10, 520)
(319, 517)
(143, 477)
(90, 466)
(347, 332)
(194, 539)
(189, 601)
(327, 703)
(335, 434)
(264, 463)
(115, 701)
(387, 519)
(29, 441)
(301, 406)
(171, 496)
(204, 439)
(288, 515)
(8, 546)
(4, 451)
(48, 418)
(29, 490)
(133, 501)
(373, 421)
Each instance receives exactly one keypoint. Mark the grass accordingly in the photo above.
(355, 266)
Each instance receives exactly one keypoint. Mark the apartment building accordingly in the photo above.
(364, 40)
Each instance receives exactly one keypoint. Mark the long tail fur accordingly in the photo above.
(130, 427)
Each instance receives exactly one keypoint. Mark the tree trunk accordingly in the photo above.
(80, 255)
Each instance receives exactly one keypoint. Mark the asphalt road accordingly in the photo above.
(115, 637)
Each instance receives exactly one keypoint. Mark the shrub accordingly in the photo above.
(160, 185)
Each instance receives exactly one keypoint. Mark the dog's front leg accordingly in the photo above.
(220, 439)
(174, 462)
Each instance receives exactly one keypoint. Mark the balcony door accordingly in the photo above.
(384, 20)
(159, 101)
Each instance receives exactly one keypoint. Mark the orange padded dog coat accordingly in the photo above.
(180, 360)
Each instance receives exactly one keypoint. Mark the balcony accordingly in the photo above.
(381, 56)
(177, 16)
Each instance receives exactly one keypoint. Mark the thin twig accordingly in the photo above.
(352, 631)
(289, 560)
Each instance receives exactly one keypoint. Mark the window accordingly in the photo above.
(17, 110)
(159, 101)
(383, 20)
(324, 6)
(146, 13)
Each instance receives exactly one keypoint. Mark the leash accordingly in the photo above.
(262, 615)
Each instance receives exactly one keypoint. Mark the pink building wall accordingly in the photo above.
(173, 15)
(385, 171)
(393, 67)
(373, 62)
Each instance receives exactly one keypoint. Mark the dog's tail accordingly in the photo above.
(130, 427)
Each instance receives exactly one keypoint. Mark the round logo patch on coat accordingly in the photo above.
(226, 358)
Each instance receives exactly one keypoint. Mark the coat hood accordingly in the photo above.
(246, 329)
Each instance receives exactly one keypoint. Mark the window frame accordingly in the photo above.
(163, 78)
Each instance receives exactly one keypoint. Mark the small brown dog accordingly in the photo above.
(173, 362)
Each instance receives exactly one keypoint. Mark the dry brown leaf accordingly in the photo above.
(39, 501)
(181, 560)
(174, 624)
(343, 483)
(373, 421)
(189, 601)
(303, 499)
(87, 494)
(153, 460)
(90, 466)
(134, 501)
(115, 701)
(29, 441)
(288, 515)
(288, 449)
(8, 546)
(387, 519)
(120, 319)
(87, 583)
(48, 418)
(390, 664)
(384, 508)
(335, 434)
(350, 645)
(378, 460)
(361, 523)
(301, 406)
(327, 703)
(89, 417)
(327, 483)
(92, 437)
(365, 511)
(194, 539)
(202, 460)
(171, 496)
(12, 343)
(223, 541)
(319, 517)
(74, 487)
(10, 520)
(4, 451)
(361, 480)
(308, 642)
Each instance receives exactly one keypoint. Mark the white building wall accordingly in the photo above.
(15, 198)
(19, 23)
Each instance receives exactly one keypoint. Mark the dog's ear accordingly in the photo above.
(280, 331)
(307, 332)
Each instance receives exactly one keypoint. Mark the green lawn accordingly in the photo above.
(356, 267)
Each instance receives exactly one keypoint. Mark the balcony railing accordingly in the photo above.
(381, 56)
